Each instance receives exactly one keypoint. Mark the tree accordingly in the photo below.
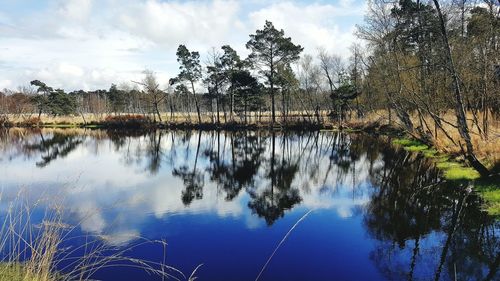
(332, 68)
(463, 128)
(153, 91)
(288, 83)
(309, 83)
(270, 48)
(280, 195)
(116, 99)
(40, 100)
(231, 62)
(215, 79)
(247, 91)
(60, 103)
(190, 72)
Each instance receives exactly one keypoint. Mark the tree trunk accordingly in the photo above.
(273, 113)
(196, 103)
(459, 107)
(158, 112)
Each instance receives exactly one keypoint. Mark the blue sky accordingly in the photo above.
(89, 44)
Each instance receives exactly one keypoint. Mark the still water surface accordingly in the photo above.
(227, 199)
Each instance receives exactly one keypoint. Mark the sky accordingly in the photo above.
(90, 44)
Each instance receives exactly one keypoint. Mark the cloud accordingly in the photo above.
(174, 23)
(315, 25)
(77, 10)
(5, 83)
(90, 44)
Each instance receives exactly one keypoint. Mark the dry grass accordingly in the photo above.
(176, 117)
(487, 149)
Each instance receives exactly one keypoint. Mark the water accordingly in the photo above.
(226, 199)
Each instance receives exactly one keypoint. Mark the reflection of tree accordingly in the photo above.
(424, 229)
(280, 196)
(246, 153)
(409, 203)
(193, 179)
(154, 151)
(59, 145)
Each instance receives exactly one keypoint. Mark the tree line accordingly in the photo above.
(273, 80)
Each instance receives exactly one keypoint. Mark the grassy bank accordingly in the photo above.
(458, 173)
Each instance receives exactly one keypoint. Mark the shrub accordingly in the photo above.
(5, 122)
(30, 122)
(127, 121)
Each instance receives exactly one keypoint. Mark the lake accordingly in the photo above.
(312, 205)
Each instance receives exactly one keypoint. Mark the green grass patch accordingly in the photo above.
(406, 142)
(490, 192)
(456, 171)
(461, 173)
(415, 146)
(431, 153)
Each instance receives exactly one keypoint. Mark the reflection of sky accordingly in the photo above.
(113, 197)
(115, 192)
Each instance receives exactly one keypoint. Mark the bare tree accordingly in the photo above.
(152, 89)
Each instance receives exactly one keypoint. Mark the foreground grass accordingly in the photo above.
(19, 272)
(455, 171)
(32, 249)
(14, 272)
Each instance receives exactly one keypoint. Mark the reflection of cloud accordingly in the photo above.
(344, 212)
(119, 239)
(112, 200)
(90, 217)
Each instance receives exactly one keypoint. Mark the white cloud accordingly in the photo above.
(5, 83)
(174, 23)
(312, 26)
(90, 44)
(77, 10)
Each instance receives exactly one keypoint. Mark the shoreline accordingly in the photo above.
(455, 170)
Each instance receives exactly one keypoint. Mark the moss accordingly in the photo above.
(490, 192)
(413, 145)
(406, 142)
(431, 153)
(461, 173)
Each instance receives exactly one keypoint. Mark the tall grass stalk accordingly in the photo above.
(280, 243)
